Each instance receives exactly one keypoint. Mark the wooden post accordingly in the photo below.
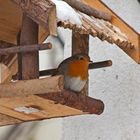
(80, 44)
(29, 61)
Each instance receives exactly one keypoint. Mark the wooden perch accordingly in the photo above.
(75, 100)
(95, 65)
(35, 86)
(26, 48)
(88, 10)
(41, 11)
(101, 64)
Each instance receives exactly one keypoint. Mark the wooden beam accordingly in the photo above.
(26, 48)
(34, 86)
(88, 10)
(78, 101)
(80, 44)
(28, 62)
(133, 36)
(42, 12)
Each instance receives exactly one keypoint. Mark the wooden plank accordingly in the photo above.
(133, 36)
(80, 44)
(28, 63)
(45, 109)
(11, 21)
(7, 71)
(42, 12)
(7, 120)
(34, 86)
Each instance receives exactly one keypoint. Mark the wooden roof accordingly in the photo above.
(127, 38)
(132, 35)
(10, 22)
(115, 31)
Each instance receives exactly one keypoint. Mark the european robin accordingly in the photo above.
(75, 71)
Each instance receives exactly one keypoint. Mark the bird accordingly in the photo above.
(75, 71)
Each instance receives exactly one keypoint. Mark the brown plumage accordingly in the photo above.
(75, 71)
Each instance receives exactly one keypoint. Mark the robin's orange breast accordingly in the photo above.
(78, 68)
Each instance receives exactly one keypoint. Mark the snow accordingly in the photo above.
(66, 13)
(26, 110)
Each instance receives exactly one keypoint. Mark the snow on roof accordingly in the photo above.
(66, 13)
(84, 24)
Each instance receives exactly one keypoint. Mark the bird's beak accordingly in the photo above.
(90, 61)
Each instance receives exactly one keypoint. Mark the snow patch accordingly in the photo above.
(26, 110)
(65, 12)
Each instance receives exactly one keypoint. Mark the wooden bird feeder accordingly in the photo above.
(24, 25)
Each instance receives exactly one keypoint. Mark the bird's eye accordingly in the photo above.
(81, 58)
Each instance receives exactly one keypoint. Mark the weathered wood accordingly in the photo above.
(45, 108)
(8, 68)
(42, 12)
(11, 20)
(100, 64)
(7, 71)
(28, 62)
(26, 48)
(100, 32)
(5, 59)
(133, 36)
(34, 86)
(48, 105)
(78, 101)
(7, 120)
(80, 44)
(88, 10)
(68, 24)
